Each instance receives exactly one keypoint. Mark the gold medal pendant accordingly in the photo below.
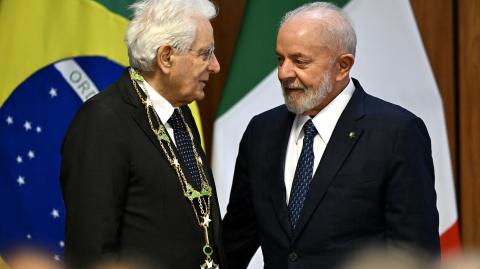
(209, 264)
(207, 249)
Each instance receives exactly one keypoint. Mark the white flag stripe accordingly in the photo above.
(229, 128)
(77, 79)
(392, 64)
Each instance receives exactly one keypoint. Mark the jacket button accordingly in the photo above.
(293, 257)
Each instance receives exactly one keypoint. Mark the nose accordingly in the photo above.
(285, 71)
(214, 65)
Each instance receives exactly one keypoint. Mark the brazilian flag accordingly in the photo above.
(54, 55)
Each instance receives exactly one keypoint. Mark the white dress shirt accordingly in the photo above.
(163, 108)
(324, 122)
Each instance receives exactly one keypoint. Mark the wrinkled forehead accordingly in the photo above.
(314, 21)
(317, 15)
(204, 34)
(309, 29)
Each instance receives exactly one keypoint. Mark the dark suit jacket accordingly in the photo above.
(120, 192)
(376, 186)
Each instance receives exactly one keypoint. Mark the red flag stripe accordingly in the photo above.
(450, 240)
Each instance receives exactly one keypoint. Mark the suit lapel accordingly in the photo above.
(140, 117)
(276, 166)
(139, 114)
(344, 137)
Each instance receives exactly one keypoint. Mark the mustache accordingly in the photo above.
(293, 85)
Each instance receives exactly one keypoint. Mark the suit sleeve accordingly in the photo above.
(240, 236)
(410, 210)
(94, 175)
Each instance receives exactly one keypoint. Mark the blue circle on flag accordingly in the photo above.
(33, 122)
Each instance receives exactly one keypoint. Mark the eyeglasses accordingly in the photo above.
(206, 54)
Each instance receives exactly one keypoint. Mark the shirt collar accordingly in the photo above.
(163, 108)
(326, 120)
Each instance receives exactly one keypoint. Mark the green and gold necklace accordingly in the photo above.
(200, 198)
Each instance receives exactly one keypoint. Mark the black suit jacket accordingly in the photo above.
(374, 184)
(121, 193)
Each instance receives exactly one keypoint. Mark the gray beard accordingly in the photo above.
(310, 98)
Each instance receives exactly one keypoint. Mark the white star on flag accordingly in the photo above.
(53, 92)
(29, 236)
(21, 180)
(38, 129)
(56, 257)
(55, 214)
(27, 126)
(9, 120)
(31, 154)
(19, 159)
(61, 244)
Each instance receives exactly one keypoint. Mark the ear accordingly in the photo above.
(164, 58)
(344, 65)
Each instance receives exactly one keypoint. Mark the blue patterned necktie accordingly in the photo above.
(184, 147)
(303, 174)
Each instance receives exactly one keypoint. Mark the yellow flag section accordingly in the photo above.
(3, 265)
(41, 32)
(38, 33)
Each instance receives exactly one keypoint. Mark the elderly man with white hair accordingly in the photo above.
(134, 177)
(334, 169)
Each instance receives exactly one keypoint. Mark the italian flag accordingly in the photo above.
(391, 63)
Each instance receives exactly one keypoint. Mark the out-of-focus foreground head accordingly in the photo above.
(388, 258)
(163, 22)
(29, 258)
(469, 259)
(125, 262)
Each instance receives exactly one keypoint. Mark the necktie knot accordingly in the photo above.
(309, 130)
(175, 120)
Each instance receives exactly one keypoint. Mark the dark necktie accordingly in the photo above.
(184, 147)
(303, 174)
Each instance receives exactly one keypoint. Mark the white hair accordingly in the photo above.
(157, 23)
(337, 30)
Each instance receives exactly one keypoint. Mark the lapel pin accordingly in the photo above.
(352, 135)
